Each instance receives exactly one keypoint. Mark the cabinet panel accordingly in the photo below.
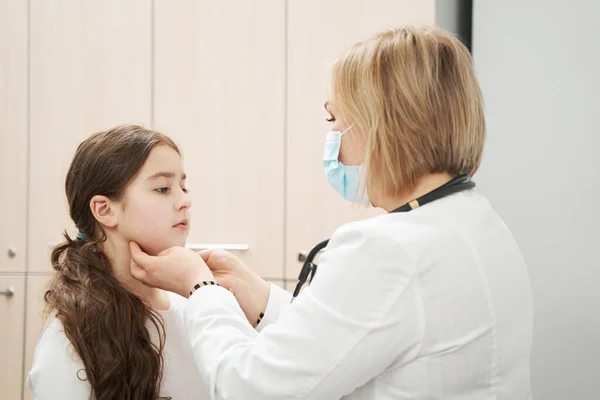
(90, 70)
(13, 133)
(219, 92)
(319, 31)
(12, 314)
(35, 320)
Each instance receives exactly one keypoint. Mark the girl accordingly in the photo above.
(108, 336)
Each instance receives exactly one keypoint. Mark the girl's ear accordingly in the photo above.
(104, 211)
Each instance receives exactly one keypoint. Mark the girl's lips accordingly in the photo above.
(183, 224)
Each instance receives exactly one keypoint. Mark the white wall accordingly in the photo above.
(539, 67)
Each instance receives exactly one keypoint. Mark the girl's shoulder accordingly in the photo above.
(177, 303)
(56, 368)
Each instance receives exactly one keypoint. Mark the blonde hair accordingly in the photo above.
(413, 94)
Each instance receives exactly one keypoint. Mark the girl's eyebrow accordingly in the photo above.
(165, 175)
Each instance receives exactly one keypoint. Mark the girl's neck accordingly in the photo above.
(119, 254)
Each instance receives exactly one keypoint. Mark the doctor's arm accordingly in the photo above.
(360, 315)
(253, 294)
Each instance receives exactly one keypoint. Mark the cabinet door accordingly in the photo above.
(12, 312)
(35, 320)
(319, 31)
(219, 92)
(13, 134)
(90, 70)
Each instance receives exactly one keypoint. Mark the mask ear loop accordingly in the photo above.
(346, 130)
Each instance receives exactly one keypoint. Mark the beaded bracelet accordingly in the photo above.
(260, 317)
(204, 283)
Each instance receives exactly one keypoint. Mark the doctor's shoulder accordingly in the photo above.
(379, 242)
(386, 232)
(415, 234)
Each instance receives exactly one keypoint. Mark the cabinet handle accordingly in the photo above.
(302, 256)
(207, 246)
(8, 292)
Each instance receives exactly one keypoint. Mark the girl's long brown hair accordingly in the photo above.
(106, 323)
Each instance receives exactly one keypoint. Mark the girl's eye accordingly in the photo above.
(330, 119)
(162, 190)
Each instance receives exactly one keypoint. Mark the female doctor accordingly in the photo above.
(428, 301)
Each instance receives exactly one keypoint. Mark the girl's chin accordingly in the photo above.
(155, 249)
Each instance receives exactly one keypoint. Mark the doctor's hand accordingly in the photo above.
(176, 269)
(250, 290)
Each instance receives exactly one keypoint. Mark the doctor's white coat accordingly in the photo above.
(430, 304)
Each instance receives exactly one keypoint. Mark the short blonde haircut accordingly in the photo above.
(413, 93)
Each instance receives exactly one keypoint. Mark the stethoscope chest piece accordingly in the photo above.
(309, 268)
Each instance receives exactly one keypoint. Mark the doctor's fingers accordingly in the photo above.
(148, 274)
(207, 254)
(220, 258)
(140, 258)
(138, 272)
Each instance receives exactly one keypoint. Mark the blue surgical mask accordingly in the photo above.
(345, 179)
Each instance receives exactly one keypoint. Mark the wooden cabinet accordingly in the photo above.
(90, 70)
(219, 92)
(318, 31)
(13, 134)
(12, 321)
(13, 183)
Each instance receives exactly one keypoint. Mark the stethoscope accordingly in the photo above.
(458, 184)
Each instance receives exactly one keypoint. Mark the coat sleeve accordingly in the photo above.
(279, 300)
